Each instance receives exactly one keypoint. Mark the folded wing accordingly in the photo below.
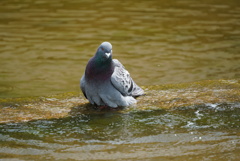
(123, 82)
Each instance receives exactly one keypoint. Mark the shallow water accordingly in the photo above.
(205, 131)
(45, 45)
(211, 132)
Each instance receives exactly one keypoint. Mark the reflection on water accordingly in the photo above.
(209, 132)
(45, 45)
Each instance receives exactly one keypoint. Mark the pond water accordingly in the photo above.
(199, 133)
(45, 45)
(44, 48)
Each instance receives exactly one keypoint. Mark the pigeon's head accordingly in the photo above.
(104, 51)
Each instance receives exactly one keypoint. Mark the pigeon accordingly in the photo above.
(106, 82)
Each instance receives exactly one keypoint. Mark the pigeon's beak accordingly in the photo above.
(107, 55)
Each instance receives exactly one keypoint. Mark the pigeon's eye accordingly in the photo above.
(102, 48)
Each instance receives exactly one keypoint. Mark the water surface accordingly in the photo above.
(197, 133)
(45, 45)
(44, 48)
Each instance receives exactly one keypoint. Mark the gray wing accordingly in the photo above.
(123, 82)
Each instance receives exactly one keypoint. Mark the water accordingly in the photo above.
(44, 48)
(45, 45)
(209, 133)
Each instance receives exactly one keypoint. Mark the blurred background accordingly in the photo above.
(45, 45)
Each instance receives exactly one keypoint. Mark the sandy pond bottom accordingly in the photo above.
(198, 121)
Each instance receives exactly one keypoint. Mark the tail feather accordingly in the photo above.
(137, 91)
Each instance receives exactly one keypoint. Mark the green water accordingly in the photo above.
(203, 133)
(44, 48)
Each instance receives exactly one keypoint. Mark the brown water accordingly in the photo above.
(45, 45)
